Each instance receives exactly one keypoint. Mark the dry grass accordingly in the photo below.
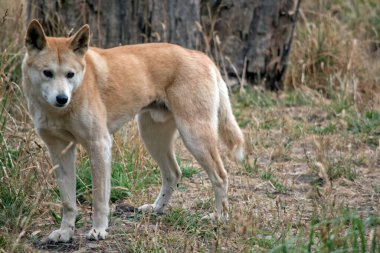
(311, 182)
(337, 47)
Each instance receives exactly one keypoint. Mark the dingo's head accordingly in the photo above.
(55, 66)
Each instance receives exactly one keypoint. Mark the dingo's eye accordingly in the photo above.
(48, 73)
(70, 75)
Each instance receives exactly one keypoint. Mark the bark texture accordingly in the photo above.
(256, 36)
(249, 39)
(119, 22)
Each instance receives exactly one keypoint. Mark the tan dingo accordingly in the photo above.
(78, 94)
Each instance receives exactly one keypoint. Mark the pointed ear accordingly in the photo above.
(80, 40)
(35, 38)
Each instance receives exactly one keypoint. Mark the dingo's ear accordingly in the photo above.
(35, 38)
(80, 40)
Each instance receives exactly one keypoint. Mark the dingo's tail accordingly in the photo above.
(229, 130)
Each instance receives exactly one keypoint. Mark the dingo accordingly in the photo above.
(78, 94)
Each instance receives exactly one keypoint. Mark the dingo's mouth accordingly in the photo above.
(60, 106)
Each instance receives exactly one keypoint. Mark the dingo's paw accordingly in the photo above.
(147, 208)
(151, 208)
(216, 217)
(97, 234)
(61, 235)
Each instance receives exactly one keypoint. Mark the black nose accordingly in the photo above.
(62, 99)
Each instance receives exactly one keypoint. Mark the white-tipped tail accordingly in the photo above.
(229, 129)
(239, 154)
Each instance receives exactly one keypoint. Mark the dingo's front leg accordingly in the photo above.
(62, 154)
(100, 160)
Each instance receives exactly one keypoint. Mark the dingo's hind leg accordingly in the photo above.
(200, 138)
(158, 138)
(196, 115)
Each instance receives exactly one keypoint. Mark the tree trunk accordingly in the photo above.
(255, 38)
(249, 39)
(119, 22)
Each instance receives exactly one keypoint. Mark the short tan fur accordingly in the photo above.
(78, 94)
